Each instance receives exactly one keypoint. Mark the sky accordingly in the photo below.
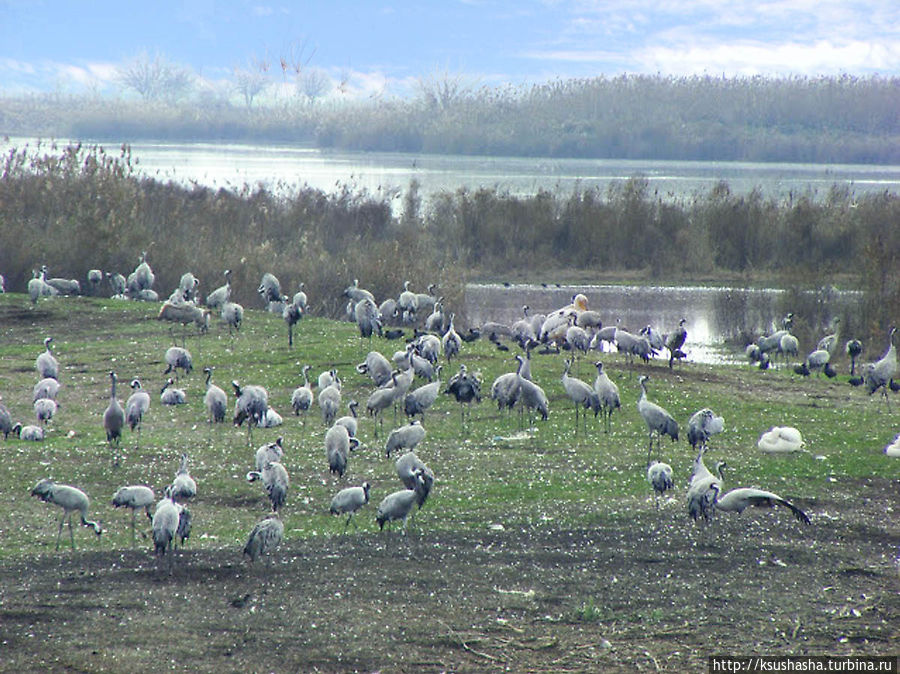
(382, 49)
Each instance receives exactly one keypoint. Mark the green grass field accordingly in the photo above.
(488, 471)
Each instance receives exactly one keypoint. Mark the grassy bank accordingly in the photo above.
(487, 471)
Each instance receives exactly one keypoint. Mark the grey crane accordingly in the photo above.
(65, 286)
(189, 286)
(505, 389)
(659, 475)
(326, 378)
(523, 329)
(178, 358)
(354, 293)
(879, 374)
(854, 348)
(451, 341)
(300, 298)
(349, 500)
(675, 342)
(233, 316)
(420, 399)
(580, 393)
(184, 487)
(738, 500)
(44, 409)
(170, 519)
(172, 396)
(435, 320)
(215, 400)
(134, 497)
(265, 537)
(466, 388)
(407, 304)
(250, 405)
(426, 301)
(577, 339)
(377, 367)
(142, 278)
(658, 420)
(607, 393)
(136, 407)
(330, 401)
(405, 437)
(532, 396)
(338, 445)
(704, 488)
(415, 475)
(291, 314)
(830, 341)
(271, 451)
(94, 279)
(429, 348)
(816, 360)
(368, 319)
(218, 297)
(302, 397)
(38, 286)
(627, 343)
(6, 422)
(398, 505)
(46, 364)
(45, 388)
(275, 480)
(382, 398)
(701, 426)
(117, 284)
(349, 421)
(113, 419)
(185, 313)
(269, 288)
(656, 339)
(28, 433)
(789, 346)
(71, 500)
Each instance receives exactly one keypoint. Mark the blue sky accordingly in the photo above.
(382, 48)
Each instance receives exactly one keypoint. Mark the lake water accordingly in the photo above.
(713, 315)
(231, 165)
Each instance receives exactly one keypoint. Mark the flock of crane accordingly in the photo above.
(573, 328)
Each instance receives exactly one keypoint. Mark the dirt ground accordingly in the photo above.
(646, 593)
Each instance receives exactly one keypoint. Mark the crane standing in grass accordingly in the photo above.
(658, 420)
(71, 500)
(113, 419)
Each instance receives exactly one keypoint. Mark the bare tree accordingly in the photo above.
(314, 84)
(441, 89)
(252, 79)
(155, 78)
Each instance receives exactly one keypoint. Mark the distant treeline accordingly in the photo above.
(79, 208)
(838, 119)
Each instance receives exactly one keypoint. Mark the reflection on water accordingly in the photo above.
(713, 315)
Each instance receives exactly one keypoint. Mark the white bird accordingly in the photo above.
(215, 400)
(183, 487)
(70, 499)
(265, 537)
(659, 475)
(348, 501)
(172, 396)
(405, 437)
(781, 440)
(658, 420)
(893, 449)
(113, 419)
(275, 480)
(136, 407)
(607, 393)
(134, 497)
(271, 419)
(738, 500)
(46, 364)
